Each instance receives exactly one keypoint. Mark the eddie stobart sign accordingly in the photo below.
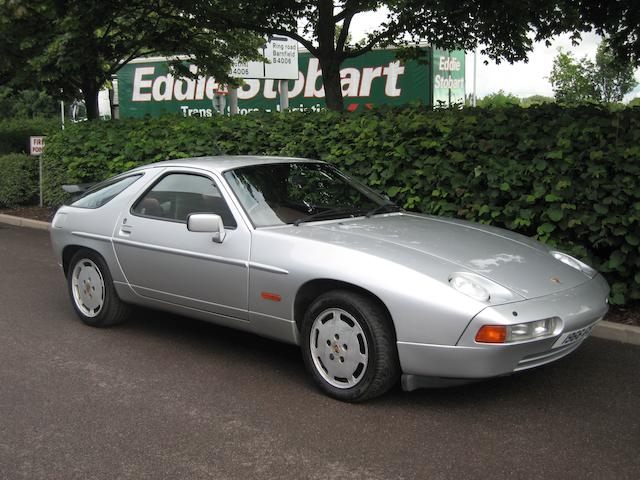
(448, 77)
(146, 87)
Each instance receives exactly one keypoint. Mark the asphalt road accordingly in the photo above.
(167, 397)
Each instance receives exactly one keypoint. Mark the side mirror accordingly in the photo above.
(207, 222)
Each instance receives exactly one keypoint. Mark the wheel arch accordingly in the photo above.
(312, 289)
(70, 250)
(67, 254)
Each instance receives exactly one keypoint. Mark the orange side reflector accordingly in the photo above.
(491, 334)
(271, 296)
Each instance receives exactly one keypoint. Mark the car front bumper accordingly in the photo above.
(579, 309)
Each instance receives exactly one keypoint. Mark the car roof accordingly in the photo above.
(221, 163)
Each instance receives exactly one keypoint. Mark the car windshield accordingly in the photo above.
(291, 193)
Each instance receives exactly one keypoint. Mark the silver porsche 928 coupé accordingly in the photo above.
(295, 250)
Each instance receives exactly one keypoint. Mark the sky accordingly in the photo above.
(522, 79)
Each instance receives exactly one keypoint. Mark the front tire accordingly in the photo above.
(92, 293)
(349, 346)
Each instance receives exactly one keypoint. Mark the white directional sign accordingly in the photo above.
(248, 70)
(282, 56)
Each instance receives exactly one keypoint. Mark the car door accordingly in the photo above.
(164, 261)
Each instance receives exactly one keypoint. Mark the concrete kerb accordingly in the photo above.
(607, 330)
(618, 332)
(24, 222)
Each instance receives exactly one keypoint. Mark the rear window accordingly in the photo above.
(104, 192)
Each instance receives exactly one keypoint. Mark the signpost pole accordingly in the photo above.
(233, 101)
(475, 75)
(40, 169)
(62, 113)
(284, 95)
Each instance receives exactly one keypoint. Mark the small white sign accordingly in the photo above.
(282, 55)
(36, 145)
(248, 70)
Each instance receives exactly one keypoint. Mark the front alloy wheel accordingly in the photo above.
(339, 348)
(349, 346)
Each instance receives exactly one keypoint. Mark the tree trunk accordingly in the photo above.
(328, 57)
(90, 94)
(332, 85)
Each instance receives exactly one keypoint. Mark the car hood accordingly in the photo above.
(512, 260)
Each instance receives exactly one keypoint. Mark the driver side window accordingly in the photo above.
(177, 195)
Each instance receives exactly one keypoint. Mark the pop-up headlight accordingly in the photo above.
(480, 288)
(574, 263)
(466, 284)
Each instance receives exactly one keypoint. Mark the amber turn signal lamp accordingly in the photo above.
(274, 297)
(491, 334)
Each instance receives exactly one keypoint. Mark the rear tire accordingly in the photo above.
(91, 290)
(349, 346)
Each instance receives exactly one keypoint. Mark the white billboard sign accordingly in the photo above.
(282, 55)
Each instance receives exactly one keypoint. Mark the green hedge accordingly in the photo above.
(569, 177)
(15, 132)
(18, 180)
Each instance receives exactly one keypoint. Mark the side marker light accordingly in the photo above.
(271, 296)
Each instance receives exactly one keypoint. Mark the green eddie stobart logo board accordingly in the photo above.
(448, 77)
(145, 86)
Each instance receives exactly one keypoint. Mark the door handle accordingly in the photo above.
(126, 229)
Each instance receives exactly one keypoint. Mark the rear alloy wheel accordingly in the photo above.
(349, 346)
(91, 290)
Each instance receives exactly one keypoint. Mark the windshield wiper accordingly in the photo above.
(325, 213)
(382, 208)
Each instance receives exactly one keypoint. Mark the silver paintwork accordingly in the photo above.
(403, 259)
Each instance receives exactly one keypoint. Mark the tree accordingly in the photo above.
(607, 80)
(571, 80)
(498, 99)
(26, 103)
(618, 21)
(613, 77)
(77, 45)
(503, 99)
(507, 33)
(535, 100)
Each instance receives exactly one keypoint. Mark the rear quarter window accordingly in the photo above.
(104, 192)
